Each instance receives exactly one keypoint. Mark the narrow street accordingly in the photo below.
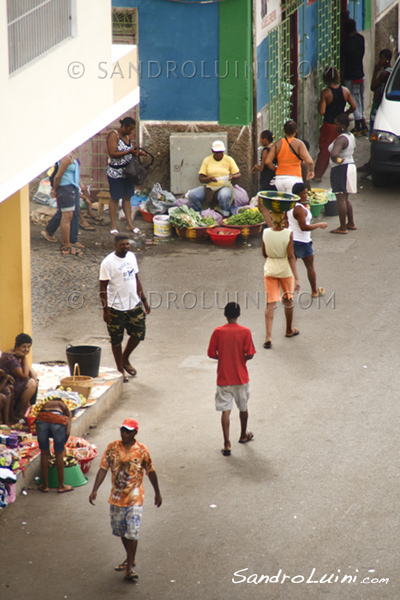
(314, 497)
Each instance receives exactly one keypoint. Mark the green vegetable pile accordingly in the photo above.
(182, 216)
(249, 216)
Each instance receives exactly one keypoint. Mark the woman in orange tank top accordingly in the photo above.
(289, 153)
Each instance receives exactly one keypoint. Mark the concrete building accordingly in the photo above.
(59, 88)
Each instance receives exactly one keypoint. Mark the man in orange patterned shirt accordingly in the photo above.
(127, 459)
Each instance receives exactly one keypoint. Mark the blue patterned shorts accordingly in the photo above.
(125, 521)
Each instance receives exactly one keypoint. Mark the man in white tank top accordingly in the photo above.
(299, 220)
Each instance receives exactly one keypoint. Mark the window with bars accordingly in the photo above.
(34, 27)
(124, 26)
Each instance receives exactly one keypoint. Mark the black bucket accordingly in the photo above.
(87, 357)
(331, 209)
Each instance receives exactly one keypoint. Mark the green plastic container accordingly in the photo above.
(72, 476)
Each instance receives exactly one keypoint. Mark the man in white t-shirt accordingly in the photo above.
(124, 303)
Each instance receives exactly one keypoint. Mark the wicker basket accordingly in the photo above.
(78, 383)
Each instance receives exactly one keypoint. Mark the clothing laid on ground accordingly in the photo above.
(220, 169)
(276, 244)
(344, 175)
(230, 343)
(121, 274)
(127, 470)
(298, 234)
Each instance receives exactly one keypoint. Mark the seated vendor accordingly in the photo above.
(14, 362)
(7, 399)
(217, 174)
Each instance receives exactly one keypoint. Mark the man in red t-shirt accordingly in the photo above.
(232, 346)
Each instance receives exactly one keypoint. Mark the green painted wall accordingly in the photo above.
(367, 15)
(235, 51)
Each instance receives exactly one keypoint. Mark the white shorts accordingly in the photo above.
(225, 395)
(285, 183)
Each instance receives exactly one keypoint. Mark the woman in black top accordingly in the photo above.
(331, 103)
(266, 139)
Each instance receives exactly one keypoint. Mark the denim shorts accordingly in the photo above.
(302, 249)
(67, 197)
(121, 187)
(57, 431)
(125, 521)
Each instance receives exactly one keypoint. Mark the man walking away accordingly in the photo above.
(232, 346)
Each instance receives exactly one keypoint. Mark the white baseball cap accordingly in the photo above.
(218, 146)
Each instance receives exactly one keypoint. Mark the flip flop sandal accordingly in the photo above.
(121, 567)
(267, 345)
(320, 292)
(68, 488)
(77, 245)
(42, 489)
(133, 576)
(226, 452)
(294, 332)
(70, 250)
(47, 236)
(87, 227)
(114, 231)
(249, 437)
(131, 370)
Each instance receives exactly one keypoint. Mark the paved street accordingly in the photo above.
(315, 494)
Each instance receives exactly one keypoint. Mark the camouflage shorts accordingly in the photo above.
(133, 321)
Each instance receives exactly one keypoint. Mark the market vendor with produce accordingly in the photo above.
(53, 421)
(216, 173)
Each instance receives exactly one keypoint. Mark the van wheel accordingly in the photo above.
(380, 179)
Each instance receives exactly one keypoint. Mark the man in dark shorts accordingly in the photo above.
(232, 346)
(124, 303)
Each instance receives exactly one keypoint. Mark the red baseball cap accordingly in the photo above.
(130, 424)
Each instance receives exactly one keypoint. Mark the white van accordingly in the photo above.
(385, 137)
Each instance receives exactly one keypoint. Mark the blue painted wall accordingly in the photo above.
(178, 52)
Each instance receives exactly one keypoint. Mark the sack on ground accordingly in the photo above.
(240, 196)
(159, 200)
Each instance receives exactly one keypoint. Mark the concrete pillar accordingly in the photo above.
(15, 268)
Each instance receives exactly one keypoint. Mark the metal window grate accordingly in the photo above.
(124, 26)
(34, 27)
(279, 87)
(290, 6)
(328, 43)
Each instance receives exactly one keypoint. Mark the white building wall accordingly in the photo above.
(62, 98)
